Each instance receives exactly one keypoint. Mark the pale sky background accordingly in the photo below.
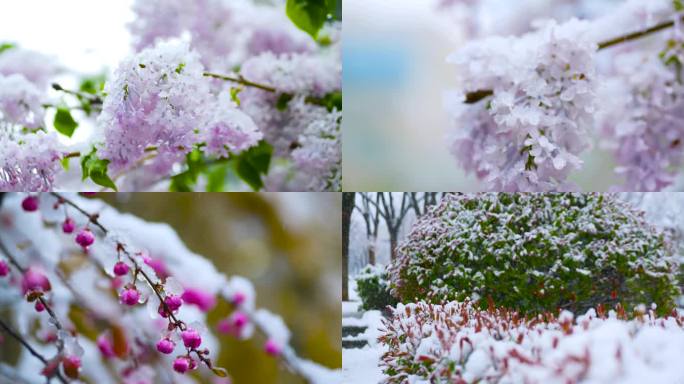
(85, 38)
(84, 35)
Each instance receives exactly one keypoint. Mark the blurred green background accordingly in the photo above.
(287, 244)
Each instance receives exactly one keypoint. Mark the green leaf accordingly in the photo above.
(64, 122)
(186, 181)
(678, 5)
(254, 163)
(331, 101)
(6, 46)
(235, 95)
(283, 100)
(65, 163)
(311, 15)
(96, 169)
(216, 177)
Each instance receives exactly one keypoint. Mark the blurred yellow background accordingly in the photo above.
(287, 244)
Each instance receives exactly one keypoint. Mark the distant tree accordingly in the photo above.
(347, 209)
(371, 216)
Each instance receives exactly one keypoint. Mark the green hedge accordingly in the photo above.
(372, 285)
(536, 252)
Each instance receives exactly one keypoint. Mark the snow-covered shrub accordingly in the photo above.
(536, 252)
(107, 297)
(372, 285)
(459, 343)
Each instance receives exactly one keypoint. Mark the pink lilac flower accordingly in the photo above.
(20, 102)
(33, 66)
(29, 162)
(530, 133)
(160, 99)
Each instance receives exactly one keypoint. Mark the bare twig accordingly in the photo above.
(29, 348)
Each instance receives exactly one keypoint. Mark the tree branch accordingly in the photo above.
(476, 96)
(241, 80)
(29, 348)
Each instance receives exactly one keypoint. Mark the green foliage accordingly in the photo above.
(678, 5)
(373, 288)
(283, 101)
(536, 253)
(331, 101)
(186, 181)
(252, 164)
(92, 85)
(311, 15)
(64, 122)
(6, 46)
(96, 169)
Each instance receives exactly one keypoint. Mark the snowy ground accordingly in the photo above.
(361, 365)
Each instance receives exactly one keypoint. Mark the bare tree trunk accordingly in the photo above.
(347, 209)
(371, 254)
(393, 243)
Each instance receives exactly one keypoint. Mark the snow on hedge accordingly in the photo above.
(459, 343)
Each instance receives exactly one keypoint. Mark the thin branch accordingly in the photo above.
(28, 347)
(93, 99)
(241, 80)
(476, 96)
(42, 300)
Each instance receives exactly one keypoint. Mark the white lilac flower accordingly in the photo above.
(20, 103)
(540, 112)
(35, 67)
(29, 162)
(320, 154)
(645, 126)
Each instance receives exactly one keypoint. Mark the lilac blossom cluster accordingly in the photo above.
(530, 106)
(529, 135)
(28, 161)
(160, 101)
(303, 126)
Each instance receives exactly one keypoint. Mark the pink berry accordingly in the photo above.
(181, 364)
(39, 306)
(130, 296)
(4, 268)
(121, 268)
(105, 346)
(239, 298)
(68, 225)
(191, 338)
(35, 281)
(85, 238)
(166, 346)
(173, 302)
(71, 365)
(272, 348)
(30, 204)
(239, 320)
(205, 301)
